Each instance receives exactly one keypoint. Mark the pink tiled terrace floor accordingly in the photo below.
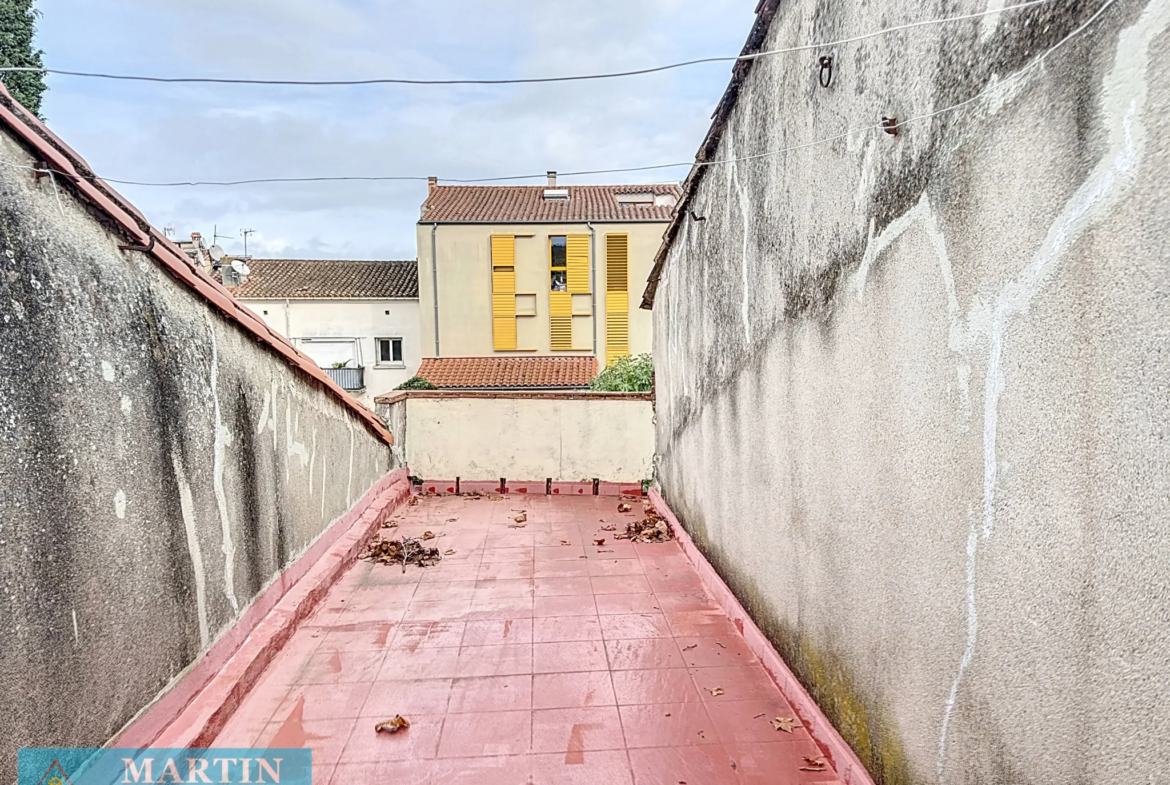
(529, 655)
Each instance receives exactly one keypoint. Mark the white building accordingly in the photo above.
(359, 320)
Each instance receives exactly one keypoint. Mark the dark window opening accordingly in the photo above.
(389, 350)
(558, 263)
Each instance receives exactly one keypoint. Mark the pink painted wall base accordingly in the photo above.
(839, 754)
(192, 711)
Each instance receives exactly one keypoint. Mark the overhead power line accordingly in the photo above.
(527, 80)
(990, 89)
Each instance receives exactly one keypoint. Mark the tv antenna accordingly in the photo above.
(169, 230)
(215, 235)
(246, 232)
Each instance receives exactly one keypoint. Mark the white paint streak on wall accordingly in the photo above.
(222, 437)
(324, 469)
(127, 405)
(295, 448)
(741, 198)
(1124, 99)
(120, 504)
(349, 482)
(187, 508)
(988, 24)
(107, 371)
(76, 632)
(264, 411)
(312, 462)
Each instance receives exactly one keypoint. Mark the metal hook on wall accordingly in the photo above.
(826, 75)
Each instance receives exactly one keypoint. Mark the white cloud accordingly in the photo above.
(181, 132)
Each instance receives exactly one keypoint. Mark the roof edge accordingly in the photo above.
(765, 12)
(35, 136)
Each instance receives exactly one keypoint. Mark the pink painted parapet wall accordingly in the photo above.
(839, 754)
(192, 711)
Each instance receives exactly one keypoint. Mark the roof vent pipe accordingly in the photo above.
(552, 179)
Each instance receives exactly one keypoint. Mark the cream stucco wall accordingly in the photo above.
(464, 279)
(361, 321)
(530, 439)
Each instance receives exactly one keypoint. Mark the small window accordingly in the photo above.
(558, 263)
(389, 351)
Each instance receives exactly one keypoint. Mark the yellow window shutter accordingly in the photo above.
(560, 308)
(577, 263)
(617, 297)
(503, 292)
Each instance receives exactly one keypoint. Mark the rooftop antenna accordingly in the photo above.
(169, 230)
(246, 232)
(215, 235)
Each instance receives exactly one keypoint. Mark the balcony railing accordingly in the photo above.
(348, 378)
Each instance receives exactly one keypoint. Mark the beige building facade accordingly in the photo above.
(538, 271)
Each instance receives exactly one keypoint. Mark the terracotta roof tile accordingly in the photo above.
(328, 278)
(526, 204)
(502, 373)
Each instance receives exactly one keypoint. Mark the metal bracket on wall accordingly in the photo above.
(890, 125)
(826, 75)
(143, 248)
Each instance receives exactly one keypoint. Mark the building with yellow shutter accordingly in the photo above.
(535, 286)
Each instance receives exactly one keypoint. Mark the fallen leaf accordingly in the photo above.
(814, 764)
(720, 645)
(785, 724)
(448, 552)
(715, 690)
(494, 498)
(623, 507)
(761, 714)
(599, 541)
(392, 725)
(517, 525)
(565, 542)
(611, 528)
(604, 551)
(413, 501)
(522, 517)
(688, 648)
(733, 764)
(428, 536)
(452, 520)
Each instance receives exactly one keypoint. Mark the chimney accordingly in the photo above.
(432, 182)
(195, 236)
(552, 179)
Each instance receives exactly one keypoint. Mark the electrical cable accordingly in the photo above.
(717, 162)
(529, 80)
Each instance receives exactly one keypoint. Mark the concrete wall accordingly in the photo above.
(158, 466)
(465, 287)
(918, 413)
(573, 438)
(360, 322)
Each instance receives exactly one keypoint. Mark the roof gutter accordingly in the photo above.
(765, 11)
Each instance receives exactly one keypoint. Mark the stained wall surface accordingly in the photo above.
(158, 467)
(914, 390)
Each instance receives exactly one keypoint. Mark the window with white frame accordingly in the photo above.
(389, 351)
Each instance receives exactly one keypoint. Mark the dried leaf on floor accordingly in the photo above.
(715, 690)
(517, 525)
(448, 552)
(384, 551)
(720, 645)
(565, 542)
(452, 520)
(814, 764)
(522, 517)
(390, 525)
(413, 501)
(428, 535)
(611, 528)
(652, 528)
(495, 498)
(599, 541)
(785, 724)
(688, 648)
(392, 725)
(623, 507)
(606, 551)
(761, 714)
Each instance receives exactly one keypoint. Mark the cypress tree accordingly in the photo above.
(17, 25)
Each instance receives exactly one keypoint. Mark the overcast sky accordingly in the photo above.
(142, 131)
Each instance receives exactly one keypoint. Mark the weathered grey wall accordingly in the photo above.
(914, 392)
(157, 467)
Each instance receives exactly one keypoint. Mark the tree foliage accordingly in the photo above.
(628, 374)
(17, 27)
(416, 383)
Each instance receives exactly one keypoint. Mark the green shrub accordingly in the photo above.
(629, 374)
(416, 383)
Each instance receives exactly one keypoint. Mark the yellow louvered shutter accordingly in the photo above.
(577, 262)
(560, 309)
(617, 297)
(503, 292)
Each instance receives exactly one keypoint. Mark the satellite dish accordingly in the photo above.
(215, 252)
(241, 268)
